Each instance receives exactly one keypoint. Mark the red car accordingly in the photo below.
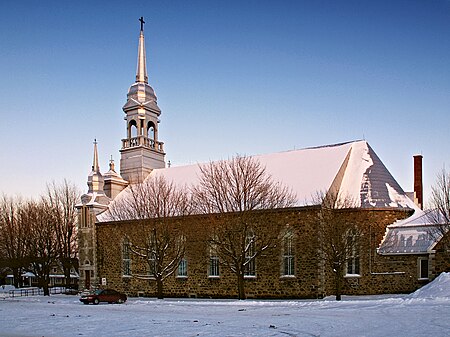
(103, 295)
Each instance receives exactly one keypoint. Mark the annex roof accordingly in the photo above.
(414, 235)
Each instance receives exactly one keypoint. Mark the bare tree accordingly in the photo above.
(237, 189)
(42, 244)
(439, 213)
(62, 198)
(153, 202)
(338, 238)
(13, 235)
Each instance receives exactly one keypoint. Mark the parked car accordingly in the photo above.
(103, 295)
(71, 291)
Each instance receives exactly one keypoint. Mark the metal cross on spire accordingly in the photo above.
(142, 23)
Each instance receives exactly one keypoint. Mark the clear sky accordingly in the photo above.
(247, 77)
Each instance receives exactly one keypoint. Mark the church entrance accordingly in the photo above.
(87, 279)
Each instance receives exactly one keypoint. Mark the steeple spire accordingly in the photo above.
(95, 178)
(95, 166)
(141, 149)
(141, 73)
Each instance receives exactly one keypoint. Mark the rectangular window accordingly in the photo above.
(126, 261)
(249, 267)
(423, 268)
(288, 255)
(182, 268)
(84, 217)
(353, 266)
(213, 266)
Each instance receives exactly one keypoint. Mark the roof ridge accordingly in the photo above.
(334, 145)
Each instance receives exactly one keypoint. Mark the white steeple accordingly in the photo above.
(141, 150)
(95, 178)
(141, 72)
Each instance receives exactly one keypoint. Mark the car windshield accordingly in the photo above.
(98, 292)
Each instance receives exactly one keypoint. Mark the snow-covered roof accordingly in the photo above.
(352, 169)
(414, 235)
(94, 199)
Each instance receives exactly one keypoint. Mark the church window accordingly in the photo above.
(151, 255)
(423, 268)
(288, 254)
(353, 262)
(182, 265)
(213, 266)
(126, 260)
(213, 270)
(182, 268)
(84, 217)
(250, 262)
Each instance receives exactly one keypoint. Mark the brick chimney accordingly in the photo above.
(418, 185)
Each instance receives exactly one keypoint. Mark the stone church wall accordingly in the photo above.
(442, 256)
(312, 280)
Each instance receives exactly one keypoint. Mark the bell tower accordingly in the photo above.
(141, 150)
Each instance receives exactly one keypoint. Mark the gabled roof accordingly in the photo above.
(351, 169)
(414, 235)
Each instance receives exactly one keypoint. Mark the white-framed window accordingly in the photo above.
(422, 265)
(353, 262)
(288, 258)
(250, 260)
(213, 266)
(151, 256)
(126, 259)
(182, 268)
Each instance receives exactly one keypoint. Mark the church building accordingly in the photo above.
(292, 269)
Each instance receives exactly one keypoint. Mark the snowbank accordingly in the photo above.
(438, 288)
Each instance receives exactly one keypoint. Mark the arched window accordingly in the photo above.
(213, 270)
(151, 255)
(132, 129)
(183, 264)
(250, 259)
(151, 130)
(288, 257)
(126, 259)
(353, 263)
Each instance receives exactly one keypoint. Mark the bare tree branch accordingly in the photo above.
(238, 189)
(152, 203)
(338, 237)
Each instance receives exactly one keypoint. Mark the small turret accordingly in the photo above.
(114, 183)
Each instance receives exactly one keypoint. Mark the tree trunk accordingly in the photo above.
(241, 286)
(17, 278)
(159, 286)
(66, 264)
(338, 283)
(44, 284)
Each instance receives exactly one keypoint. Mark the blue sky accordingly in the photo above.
(246, 77)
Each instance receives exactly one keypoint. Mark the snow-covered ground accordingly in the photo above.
(424, 313)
